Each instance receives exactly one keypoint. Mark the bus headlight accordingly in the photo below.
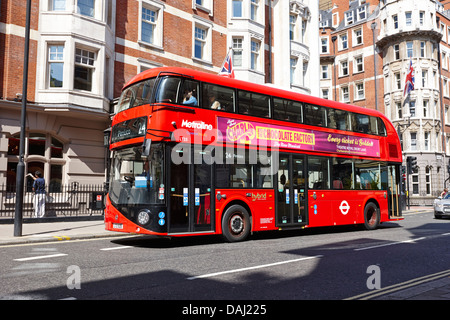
(143, 216)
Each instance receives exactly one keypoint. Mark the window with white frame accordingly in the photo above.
(423, 48)
(293, 68)
(409, 49)
(426, 140)
(425, 109)
(343, 68)
(362, 13)
(84, 69)
(254, 9)
(348, 18)
(255, 46)
(398, 106)
(148, 25)
(359, 91)
(408, 15)
(57, 5)
(205, 5)
(413, 136)
(345, 96)
(237, 52)
(324, 74)
(324, 45)
(421, 17)
(202, 42)
(415, 183)
(236, 8)
(343, 41)
(325, 93)
(357, 37)
(424, 78)
(151, 30)
(292, 26)
(395, 21)
(86, 7)
(398, 84)
(412, 108)
(55, 65)
(359, 64)
(397, 51)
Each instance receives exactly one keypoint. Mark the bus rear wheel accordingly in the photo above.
(371, 216)
(236, 223)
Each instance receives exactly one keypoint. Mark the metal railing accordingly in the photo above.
(72, 200)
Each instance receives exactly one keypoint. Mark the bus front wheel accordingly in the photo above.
(371, 216)
(235, 223)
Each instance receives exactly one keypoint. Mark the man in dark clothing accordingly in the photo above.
(39, 195)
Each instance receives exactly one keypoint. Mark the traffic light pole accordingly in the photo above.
(407, 187)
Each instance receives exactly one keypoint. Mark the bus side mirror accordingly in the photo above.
(146, 147)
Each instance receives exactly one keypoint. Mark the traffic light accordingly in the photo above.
(411, 164)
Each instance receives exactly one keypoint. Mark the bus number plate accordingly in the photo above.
(117, 226)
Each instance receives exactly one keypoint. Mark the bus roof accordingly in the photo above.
(248, 86)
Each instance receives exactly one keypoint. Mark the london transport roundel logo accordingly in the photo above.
(344, 207)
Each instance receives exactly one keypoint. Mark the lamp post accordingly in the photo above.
(20, 174)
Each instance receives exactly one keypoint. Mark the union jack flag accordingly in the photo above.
(409, 82)
(227, 66)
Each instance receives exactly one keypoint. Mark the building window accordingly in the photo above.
(424, 78)
(345, 94)
(86, 7)
(237, 8)
(413, 136)
(344, 68)
(359, 64)
(55, 66)
(324, 73)
(57, 5)
(395, 21)
(325, 93)
(293, 67)
(362, 13)
(292, 24)
(415, 183)
(200, 41)
(359, 93)
(426, 141)
(324, 46)
(397, 51)
(349, 17)
(398, 84)
(148, 25)
(399, 110)
(423, 49)
(254, 9)
(408, 18)
(343, 42)
(237, 52)
(409, 49)
(254, 58)
(428, 180)
(421, 17)
(425, 109)
(42, 148)
(84, 69)
(412, 108)
(358, 37)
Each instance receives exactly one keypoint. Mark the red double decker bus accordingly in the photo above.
(195, 154)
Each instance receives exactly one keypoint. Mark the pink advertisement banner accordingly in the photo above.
(256, 133)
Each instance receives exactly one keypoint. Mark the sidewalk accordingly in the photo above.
(55, 231)
(431, 287)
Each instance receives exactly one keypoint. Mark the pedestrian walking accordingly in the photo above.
(39, 195)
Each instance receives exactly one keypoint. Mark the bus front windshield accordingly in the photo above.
(137, 180)
(136, 95)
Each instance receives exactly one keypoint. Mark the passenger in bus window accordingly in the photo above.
(189, 98)
(214, 104)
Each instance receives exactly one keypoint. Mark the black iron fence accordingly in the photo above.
(72, 200)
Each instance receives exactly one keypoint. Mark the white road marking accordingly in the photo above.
(116, 248)
(389, 244)
(42, 257)
(252, 268)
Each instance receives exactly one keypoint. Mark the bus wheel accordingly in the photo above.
(235, 223)
(371, 216)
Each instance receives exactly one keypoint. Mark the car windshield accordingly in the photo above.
(137, 180)
(447, 196)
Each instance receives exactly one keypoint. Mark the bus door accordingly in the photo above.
(394, 191)
(291, 191)
(190, 203)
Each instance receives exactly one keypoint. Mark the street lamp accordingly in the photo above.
(20, 174)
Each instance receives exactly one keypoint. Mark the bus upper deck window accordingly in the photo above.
(168, 90)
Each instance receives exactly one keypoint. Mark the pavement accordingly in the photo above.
(430, 287)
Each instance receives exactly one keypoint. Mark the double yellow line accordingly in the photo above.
(401, 286)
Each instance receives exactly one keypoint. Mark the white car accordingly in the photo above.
(442, 207)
